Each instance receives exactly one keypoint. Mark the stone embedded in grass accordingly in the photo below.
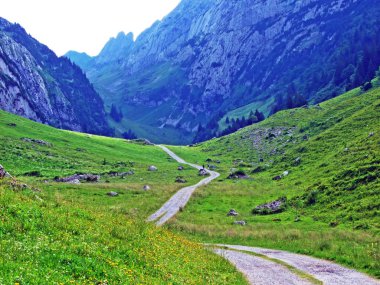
(203, 172)
(113, 194)
(80, 177)
(2, 171)
(232, 213)
(238, 174)
(146, 188)
(274, 207)
(180, 168)
(276, 178)
(152, 168)
(40, 142)
(180, 179)
(371, 134)
(241, 223)
(297, 161)
(75, 181)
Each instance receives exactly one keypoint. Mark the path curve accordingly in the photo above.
(259, 270)
(180, 199)
(326, 271)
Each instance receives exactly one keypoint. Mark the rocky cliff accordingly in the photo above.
(208, 58)
(36, 84)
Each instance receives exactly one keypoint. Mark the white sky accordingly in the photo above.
(83, 25)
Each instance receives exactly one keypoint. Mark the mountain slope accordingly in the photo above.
(207, 58)
(74, 233)
(38, 85)
(323, 159)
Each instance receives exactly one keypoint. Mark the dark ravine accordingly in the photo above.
(38, 85)
(207, 58)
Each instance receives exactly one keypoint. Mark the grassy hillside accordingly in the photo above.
(61, 233)
(331, 152)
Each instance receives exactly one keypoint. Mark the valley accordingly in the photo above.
(107, 238)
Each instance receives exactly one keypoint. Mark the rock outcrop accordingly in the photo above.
(38, 85)
(212, 56)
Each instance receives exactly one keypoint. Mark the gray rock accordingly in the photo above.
(232, 213)
(180, 179)
(274, 207)
(146, 188)
(152, 168)
(285, 173)
(36, 141)
(241, 223)
(297, 161)
(80, 177)
(203, 172)
(2, 172)
(180, 168)
(113, 194)
(276, 178)
(74, 181)
(371, 134)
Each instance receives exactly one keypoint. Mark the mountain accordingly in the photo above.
(210, 59)
(36, 84)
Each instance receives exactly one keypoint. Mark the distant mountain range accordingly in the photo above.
(36, 84)
(211, 59)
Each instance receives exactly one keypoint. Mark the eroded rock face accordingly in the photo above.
(37, 85)
(216, 55)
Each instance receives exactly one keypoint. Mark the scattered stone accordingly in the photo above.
(261, 159)
(285, 173)
(74, 181)
(146, 188)
(40, 142)
(113, 194)
(80, 177)
(333, 224)
(346, 149)
(238, 174)
(120, 174)
(203, 172)
(371, 134)
(212, 167)
(274, 207)
(152, 168)
(208, 160)
(232, 213)
(180, 179)
(33, 173)
(3, 173)
(12, 125)
(297, 161)
(276, 178)
(217, 161)
(297, 219)
(241, 223)
(180, 168)
(258, 169)
(305, 137)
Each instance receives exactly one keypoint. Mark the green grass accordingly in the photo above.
(339, 164)
(59, 233)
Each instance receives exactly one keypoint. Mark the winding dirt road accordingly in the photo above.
(257, 269)
(180, 199)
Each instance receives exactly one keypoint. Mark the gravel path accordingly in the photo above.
(260, 271)
(180, 199)
(328, 272)
(256, 269)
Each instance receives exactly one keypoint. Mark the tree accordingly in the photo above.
(227, 120)
(129, 135)
(260, 116)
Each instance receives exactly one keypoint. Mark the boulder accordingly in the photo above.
(276, 178)
(80, 177)
(241, 223)
(152, 168)
(180, 179)
(232, 213)
(203, 172)
(180, 168)
(238, 174)
(146, 188)
(2, 172)
(274, 207)
(371, 134)
(74, 181)
(113, 194)
(36, 141)
(285, 173)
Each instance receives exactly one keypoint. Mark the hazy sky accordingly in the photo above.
(83, 25)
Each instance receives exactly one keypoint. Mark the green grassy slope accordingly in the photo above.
(333, 191)
(61, 233)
